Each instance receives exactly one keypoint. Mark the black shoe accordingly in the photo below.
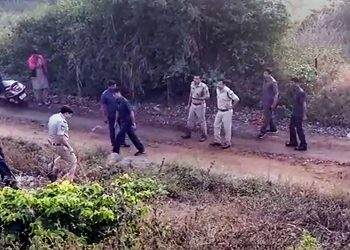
(52, 177)
(126, 145)
(291, 145)
(261, 135)
(215, 144)
(272, 131)
(203, 138)
(138, 153)
(301, 148)
(186, 137)
(226, 147)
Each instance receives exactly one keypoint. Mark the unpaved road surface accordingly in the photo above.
(324, 166)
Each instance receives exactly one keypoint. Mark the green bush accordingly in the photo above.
(89, 41)
(64, 214)
(308, 242)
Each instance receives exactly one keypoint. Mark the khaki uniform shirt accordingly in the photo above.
(58, 126)
(225, 97)
(199, 93)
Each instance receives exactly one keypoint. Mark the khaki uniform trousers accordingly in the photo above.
(67, 156)
(223, 119)
(197, 114)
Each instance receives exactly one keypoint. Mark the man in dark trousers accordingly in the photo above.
(269, 101)
(109, 108)
(127, 124)
(298, 116)
(5, 173)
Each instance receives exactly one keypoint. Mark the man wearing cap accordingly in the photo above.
(226, 100)
(59, 141)
(197, 108)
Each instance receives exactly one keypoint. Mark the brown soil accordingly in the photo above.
(323, 166)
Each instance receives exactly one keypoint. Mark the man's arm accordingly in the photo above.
(304, 106)
(1, 153)
(62, 139)
(103, 105)
(61, 136)
(116, 119)
(132, 116)
(205, 94)
(233, 97)
(104, 113)
(190, 97)
(276, 93)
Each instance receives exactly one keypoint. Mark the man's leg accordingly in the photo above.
(71, 159)
(41, 94)
(37, 96)
(301, 135)
(293, 142)
(6, 175)
(123, 139)
(217, 129)
(200, 112)
(266, 121)
(2, 153)
(136, 141)
(64, 154)
(111, 124)
(227, 122)
(272, 124)
(45, 94)
(73, 167)
(119, 137)
(190, 122)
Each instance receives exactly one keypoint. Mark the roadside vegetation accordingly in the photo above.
(153, 47)
(167, 206)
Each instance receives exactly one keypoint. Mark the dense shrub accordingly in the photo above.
(140, 42)
(63, 214)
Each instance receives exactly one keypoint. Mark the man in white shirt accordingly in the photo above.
(58, 138)
(226, 100)
(197, 108)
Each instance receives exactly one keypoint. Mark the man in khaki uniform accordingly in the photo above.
(226, 100)
(58, 138)
(197, 108)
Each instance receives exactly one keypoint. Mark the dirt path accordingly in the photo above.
(249, 157)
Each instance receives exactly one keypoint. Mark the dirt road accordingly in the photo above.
(321, 166)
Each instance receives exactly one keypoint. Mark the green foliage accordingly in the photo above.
(135, 189)
(308, 242)
(64, 214)
(304, 72)
(88, 41)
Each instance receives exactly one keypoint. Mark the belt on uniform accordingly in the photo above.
(197, 104)
(224, 110)
(57, 144)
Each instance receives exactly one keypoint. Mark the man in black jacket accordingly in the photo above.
(2, 88)
(5, 173)
(126, 117)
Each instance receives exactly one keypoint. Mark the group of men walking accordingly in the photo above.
(227, 100)
(120, 118)
(117, 113)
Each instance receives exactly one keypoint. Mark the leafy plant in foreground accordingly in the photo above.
(79, 215)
